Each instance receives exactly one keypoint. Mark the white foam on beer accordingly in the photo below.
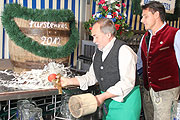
(36, 78)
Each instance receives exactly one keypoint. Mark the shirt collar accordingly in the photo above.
(158, 29)
(109, 45)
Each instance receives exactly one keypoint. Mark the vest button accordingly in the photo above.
(101, 67)
(102, 79)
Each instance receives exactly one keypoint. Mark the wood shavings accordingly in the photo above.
(36, 78)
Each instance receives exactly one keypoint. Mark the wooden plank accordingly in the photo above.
(13, 95)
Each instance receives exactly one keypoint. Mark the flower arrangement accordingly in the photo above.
(111, 9)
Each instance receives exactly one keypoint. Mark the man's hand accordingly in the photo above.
(68, 81)
(65, 81)
(102, 97)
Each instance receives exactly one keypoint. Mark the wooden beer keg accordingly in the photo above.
(82, 104)
(38, 37)
(24, 60)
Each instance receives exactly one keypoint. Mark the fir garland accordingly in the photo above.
(48, 15)
(137, 10)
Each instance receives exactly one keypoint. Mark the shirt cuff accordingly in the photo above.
(82, 83)
(119, 97)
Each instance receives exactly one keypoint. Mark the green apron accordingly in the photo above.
(129, 109)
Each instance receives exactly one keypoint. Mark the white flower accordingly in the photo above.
(110, 8)
(110, 1)
(117, 12)
(98, 14)
(109, 16)
(117, 7)
(125, 13)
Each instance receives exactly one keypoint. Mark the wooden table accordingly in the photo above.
(5, 64)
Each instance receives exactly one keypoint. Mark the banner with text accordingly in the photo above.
(168, 4)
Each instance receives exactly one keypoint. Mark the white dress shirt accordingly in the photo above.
(127, 66)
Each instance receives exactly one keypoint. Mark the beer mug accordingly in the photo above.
(20, 104)
(35, 114)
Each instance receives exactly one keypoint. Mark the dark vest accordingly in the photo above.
(160, 67)
(107, 72)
